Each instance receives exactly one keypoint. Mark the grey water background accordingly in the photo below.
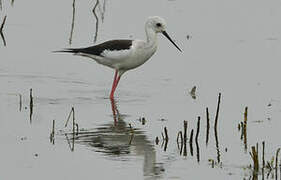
(233, 49)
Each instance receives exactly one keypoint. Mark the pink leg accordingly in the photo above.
(114, 80)
(113, 107)
(114, 85)
(114, 88)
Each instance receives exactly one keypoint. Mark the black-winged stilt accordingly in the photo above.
(123, 55)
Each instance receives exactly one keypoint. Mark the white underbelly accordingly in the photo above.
(136, 60)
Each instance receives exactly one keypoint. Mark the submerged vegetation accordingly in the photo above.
(196, 138)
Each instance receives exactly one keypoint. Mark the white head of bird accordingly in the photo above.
(154, 25)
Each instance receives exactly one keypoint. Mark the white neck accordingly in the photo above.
(151, 36)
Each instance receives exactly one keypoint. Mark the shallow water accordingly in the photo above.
(233, 49)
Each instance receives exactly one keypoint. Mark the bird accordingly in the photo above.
(125, 54)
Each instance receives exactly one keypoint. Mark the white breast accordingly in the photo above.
(139, 54)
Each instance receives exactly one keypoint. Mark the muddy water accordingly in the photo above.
(233, 48)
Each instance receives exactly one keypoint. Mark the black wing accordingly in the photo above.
(98, 49)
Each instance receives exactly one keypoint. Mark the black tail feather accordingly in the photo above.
(69, 50)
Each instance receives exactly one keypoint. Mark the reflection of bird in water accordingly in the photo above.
(123, 55)
(115, 140)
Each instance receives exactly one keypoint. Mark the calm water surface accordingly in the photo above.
(233, 48)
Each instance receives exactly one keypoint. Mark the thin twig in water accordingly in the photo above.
(30, 106)
(77, 128)
(276, 162)
(242, 130)
(162, 136)
(184, 131)
(68, 141)
(197, 151)
(166, 134)
(165, 145)
(3, 23)
(184, 139)
(217, 113)
(20, 103)
(52, 135)
(103, 11)
(69, 115)
(280, 170)
(132, 134)
(196, 140)
(263, 161)
(1, 30)
(208, 125)
(166, 139)
(245, 128)
(183, 145)
(191, 142)
(198, 129)
(257, 148)
(72, 22)
(255, 158)
(71, 147)
(73, 121)
(97, 20)
(217, 146)
(179, 136)
(216, 130)
(156, 140)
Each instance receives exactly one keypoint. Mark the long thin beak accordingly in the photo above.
(168, 37)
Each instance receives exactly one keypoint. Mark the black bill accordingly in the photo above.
(168, 37)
